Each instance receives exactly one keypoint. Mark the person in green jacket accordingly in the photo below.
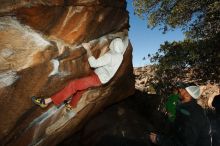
(171, 104)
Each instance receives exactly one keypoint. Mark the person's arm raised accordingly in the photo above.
(120, 34)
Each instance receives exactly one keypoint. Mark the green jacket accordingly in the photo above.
(170, 106)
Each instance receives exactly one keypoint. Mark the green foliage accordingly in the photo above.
(198, 18)
(196, 60)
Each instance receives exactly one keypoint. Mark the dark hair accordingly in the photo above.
(216, 103)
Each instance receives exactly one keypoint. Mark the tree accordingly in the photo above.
(192, 60)
(199, 53)
(198, 18)
(187, 61)
(197, 58)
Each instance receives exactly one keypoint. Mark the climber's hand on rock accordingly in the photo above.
(121, 34)
(87, 46)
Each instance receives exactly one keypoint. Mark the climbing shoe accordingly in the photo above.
(39, 101)
(68, 107)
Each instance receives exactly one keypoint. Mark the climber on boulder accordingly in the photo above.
(105, 68)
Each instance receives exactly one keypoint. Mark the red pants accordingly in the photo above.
(76, 88)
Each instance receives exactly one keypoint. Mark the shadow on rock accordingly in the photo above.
(126, 123)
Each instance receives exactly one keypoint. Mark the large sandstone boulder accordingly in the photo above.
(41, 51)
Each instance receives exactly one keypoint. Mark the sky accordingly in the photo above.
(144, 40)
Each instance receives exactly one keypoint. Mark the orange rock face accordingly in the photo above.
(35, 33)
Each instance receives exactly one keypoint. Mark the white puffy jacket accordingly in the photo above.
(108, 64)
